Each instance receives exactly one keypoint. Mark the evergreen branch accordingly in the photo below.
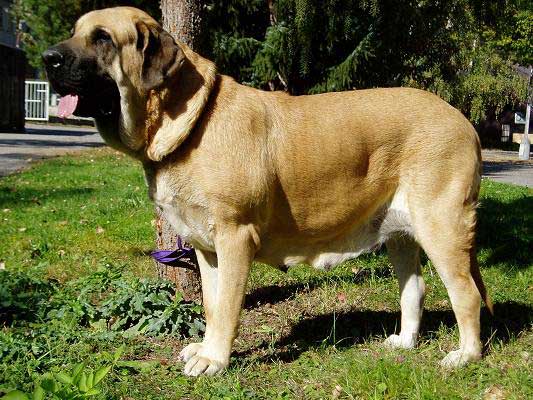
(343, 75)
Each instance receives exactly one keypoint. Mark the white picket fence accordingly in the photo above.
(36, 100)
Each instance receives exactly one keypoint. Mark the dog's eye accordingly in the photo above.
(101, 37)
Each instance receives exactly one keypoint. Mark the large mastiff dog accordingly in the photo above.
(246, 175)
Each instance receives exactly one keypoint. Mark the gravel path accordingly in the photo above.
(504, 166)
(17, 150)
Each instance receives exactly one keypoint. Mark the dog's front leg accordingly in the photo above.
(224, 278)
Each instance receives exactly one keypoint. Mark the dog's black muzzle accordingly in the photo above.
(72, 73)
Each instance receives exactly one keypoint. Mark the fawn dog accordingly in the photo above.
(244, 174)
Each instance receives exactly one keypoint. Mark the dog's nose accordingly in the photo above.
(53, 58)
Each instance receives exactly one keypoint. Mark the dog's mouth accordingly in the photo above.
(92, 95)
(102, 104)
(87, 90)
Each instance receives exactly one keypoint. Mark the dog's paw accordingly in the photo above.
(401, 342)
(459, 358)
(199, 365)
(200, 360)
(189, 351)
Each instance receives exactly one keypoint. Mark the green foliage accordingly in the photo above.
(80, 383)
(507, 25)
(520, 43)
(271, 61)
(23, 295)
(150, 307)
(344, 75)
(42, 317)
(48, 21)
(104, 299)
(462, 49)
(487, 86)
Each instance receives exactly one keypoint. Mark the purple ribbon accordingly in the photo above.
(183, 256)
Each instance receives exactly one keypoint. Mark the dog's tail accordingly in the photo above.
(478, 280)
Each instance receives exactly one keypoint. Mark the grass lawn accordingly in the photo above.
(73, 229)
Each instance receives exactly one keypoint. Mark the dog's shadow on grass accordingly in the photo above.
(274, 294)
(504, 229)
(347, 329)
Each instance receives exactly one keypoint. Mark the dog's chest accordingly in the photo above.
(185, 212)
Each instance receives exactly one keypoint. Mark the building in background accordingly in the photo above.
(8, 31)
(12, 73)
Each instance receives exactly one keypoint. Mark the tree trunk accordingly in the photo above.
(187, 281)
(183, 20)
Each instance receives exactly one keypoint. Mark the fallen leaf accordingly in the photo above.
(341, 297)
(100, 230)
(6, 210)
(494, 392)
(2, 265)
(444, 303)
(62, 223)
(337, 390)
(22, 229)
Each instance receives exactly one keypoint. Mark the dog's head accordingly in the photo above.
(110, 48)
(113, 53)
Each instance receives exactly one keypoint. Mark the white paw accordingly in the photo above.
(458, 358)
(200, 360)
(399, 341)
(189, 351)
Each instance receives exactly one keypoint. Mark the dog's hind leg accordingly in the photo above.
(404, 254)
(444, 225)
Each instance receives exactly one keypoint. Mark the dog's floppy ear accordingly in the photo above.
(189, 100)
(161, 56)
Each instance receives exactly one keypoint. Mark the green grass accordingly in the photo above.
(305, 334)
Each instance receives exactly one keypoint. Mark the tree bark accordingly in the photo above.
(187, 281)
(183, 20)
